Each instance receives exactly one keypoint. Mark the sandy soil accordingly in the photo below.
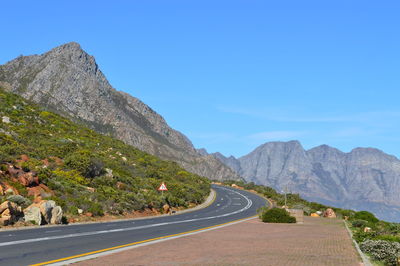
(318, 241)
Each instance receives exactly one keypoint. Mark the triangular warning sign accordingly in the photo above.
(162, 187)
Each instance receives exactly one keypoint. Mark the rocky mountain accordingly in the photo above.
(364, 178)
(68, 81)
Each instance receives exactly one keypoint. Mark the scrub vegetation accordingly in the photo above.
(86, 170)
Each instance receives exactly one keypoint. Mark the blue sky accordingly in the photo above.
(232, 75)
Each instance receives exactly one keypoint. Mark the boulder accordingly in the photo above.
(32, 213)
(14, 171)
(329, 213)
(56, 215)
(5, 220)
(28, 179)
(166, 208)
(367, 229)
(3, 206)
(24, 158)
(5, 119)
(9, 212)
(45, 209)
(109, 173)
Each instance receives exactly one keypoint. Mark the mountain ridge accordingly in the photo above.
(364, 178)
(68, 81)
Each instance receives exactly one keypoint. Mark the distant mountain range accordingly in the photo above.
(68, 81)
(363, 179)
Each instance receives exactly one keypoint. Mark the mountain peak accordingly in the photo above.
(67, 80)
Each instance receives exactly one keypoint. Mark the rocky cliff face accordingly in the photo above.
(67, 80)
(364, 178)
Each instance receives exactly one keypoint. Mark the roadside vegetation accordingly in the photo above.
(380, 240)
(81, 170)
(276, 215)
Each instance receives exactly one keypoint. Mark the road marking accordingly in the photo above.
(52, 231)
(7, 235)
(107, 251)
(249, 203)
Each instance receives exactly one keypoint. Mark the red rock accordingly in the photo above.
(57, 160)
(329, 213)
(24, 158)
(4, 221)
(28, 179)
(34, 191)
(6, 212)
(45, 188)
(120, 185)
(3, 206)
(89, 214)
(46, 162)
(14, 171)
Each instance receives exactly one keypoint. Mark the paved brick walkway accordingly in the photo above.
(318, 241)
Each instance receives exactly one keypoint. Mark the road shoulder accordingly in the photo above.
(318, 241)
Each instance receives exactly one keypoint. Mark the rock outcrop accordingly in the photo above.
(32, 214)
(68, 81)
(10, 212)
(363, 179)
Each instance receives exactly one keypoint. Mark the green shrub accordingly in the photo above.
(359, 223)
(366, 216)
(277, 215)
(381, 250)
(20, 200)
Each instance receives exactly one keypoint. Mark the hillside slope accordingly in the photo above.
(46, 156)
(68, 81)
(364, 178)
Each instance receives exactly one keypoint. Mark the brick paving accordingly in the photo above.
(319, 241)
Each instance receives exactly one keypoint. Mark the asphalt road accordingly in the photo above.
(32, 246)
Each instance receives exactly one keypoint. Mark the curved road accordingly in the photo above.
(46, 244)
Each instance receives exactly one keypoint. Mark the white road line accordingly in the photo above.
(249, 203)
(71, 261)
(52, 231)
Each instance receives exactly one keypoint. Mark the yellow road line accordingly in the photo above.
(138, 242)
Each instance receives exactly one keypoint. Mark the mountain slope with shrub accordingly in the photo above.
(45, 155)
(68, 81)
(363, 179)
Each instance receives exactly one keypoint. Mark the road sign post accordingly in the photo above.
(162, 188)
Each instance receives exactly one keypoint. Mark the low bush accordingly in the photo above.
(276, 215)
(381, 250)
(366, 216)
(359, 223)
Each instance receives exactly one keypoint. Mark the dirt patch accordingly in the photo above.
(318, 241)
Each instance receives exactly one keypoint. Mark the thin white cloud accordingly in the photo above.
(373, 117)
